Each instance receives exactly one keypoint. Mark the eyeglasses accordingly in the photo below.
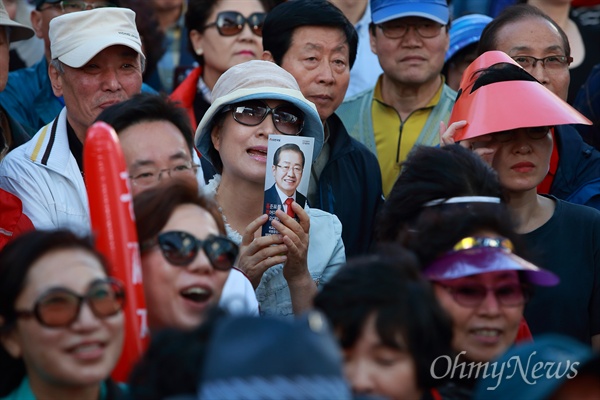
(286, 169)
(59, 307)
(534, 133)
(472, 295)
(550, 62)
(73, 6)
(151, 176)
(288, 119)
(180, 249)
(397, 29)
(230, 23)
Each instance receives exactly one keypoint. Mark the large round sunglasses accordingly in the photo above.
(288, 119)
(231, 23)
(181, 248)
(59, 307)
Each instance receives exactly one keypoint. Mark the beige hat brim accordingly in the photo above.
(17, 31)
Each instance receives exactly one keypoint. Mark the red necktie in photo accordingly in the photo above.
(289, 211)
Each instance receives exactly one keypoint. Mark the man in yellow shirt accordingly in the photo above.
(410, 98)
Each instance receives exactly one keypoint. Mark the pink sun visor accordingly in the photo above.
(506, 105)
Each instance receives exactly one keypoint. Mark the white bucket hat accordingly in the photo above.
(258, 80)
(17, 31)
(77, 37)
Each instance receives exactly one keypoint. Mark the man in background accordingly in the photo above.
(410, 98)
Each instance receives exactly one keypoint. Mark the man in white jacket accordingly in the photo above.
(97, 61)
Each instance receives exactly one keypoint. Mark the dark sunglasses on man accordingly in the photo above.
(59, 307)
(287, 118)
(181, 248)
(231, 23)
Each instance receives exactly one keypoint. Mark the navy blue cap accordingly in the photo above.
(270, 358)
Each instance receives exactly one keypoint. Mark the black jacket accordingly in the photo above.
(350, 187)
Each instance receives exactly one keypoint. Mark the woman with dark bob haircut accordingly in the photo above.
(186, 256)
(61, 325)
(389, 325)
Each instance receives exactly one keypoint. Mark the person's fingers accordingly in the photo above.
(251, 229)
(447, 137)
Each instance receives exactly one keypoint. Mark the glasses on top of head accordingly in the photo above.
(396, 29)
(534, 133)
(59, 307)
(181, 248)
(149, 176)
(550, 62)
(230, 23)
(288, 119)
(69, 6)
(472, 295)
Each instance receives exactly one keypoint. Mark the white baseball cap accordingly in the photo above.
(75, 38)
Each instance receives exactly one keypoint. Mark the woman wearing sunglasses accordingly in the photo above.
(512, 133)
(252, 101)
(61, 325)
(222, 33)
(186, 256)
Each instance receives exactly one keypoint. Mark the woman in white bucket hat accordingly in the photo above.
(285, 269)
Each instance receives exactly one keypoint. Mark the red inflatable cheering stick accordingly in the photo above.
(113, 225)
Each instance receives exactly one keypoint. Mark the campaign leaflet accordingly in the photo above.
(289, 159)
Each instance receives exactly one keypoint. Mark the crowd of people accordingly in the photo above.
(446, 244)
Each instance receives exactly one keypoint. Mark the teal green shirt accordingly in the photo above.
(24, 392)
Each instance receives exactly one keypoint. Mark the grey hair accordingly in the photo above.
(58, 65)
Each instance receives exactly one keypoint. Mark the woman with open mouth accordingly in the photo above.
(186, 257)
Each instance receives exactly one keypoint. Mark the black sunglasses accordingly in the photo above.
(59, 307)
(535, 133)
(288, 119)
(180, 248)
(230, 23)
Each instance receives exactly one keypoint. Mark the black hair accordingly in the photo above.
(501, 72)
(153, 209)
(147, 107)
(288, 147)
(283, 20)
(407, 314)
(431, 173)
(197, 14)
(16, 259)
(514, 13)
